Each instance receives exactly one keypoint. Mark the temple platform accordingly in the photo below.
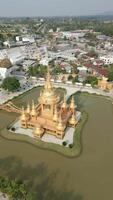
(47, 137)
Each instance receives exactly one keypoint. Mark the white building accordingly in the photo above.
(6, 44)
(28, 39)
(107, 59)
(16, 55)
(45, 61)
(73, 34)
(82, 70)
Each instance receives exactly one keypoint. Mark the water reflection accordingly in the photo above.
(39, 181)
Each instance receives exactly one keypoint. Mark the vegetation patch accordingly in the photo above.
(15, 189)
(11, 84)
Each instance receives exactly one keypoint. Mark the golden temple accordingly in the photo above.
(51, 115)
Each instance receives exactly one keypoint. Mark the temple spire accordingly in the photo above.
(55, 116)
(60, 126)
(73, 120)
(64, 105)
(28, 109)
(48, 84)
(33, 111)
(23, 111)
(23, 116)
(72, 104)
(33, 105)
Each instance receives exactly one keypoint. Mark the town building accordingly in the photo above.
(107, 59)
(5, 68)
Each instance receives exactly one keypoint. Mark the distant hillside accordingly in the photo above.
(107, 13)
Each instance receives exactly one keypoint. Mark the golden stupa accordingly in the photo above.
(50, 115)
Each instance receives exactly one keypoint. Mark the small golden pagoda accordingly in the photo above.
(104, 84)
(38, 131)
(50, 115)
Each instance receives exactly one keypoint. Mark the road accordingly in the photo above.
(71, 89)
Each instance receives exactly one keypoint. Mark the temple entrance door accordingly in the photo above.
(47, 108)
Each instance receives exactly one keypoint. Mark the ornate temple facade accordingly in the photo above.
(51, 115)
(104, 84)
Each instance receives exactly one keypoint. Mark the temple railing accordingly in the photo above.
(10, 107)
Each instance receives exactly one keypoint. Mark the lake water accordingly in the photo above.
(54, 177)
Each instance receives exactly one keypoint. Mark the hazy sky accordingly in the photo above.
(53, 7)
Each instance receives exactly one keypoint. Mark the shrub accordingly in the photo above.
(64, 143)
(11, 84)
(70, 146)
(13, 129)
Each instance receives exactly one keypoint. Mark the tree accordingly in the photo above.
(11, 84)
(52, 63)
(70, 78)
(75, 79)
(57, 70)
(90, 36)
(14, 189)
(64, 143)
(70, 146)
(38, 70)
(2, 37)
(91, 80)
(110, 76)
(93, 53)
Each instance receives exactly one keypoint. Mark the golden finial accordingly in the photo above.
(23, 116)
(64, 105)
(72, 99)
(72, 104)
(23, 109)
(55, 116)
(33, 106)
(48, 84)
(28, 109)
(73, 120)
(60, 126)
(48, 73)
(33, 111)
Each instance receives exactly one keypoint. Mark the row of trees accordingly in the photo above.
(41, 70)
(91, 80)
(110, 76)
(16, 190)
(38, 70)
(83, 23)
(109, 68)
